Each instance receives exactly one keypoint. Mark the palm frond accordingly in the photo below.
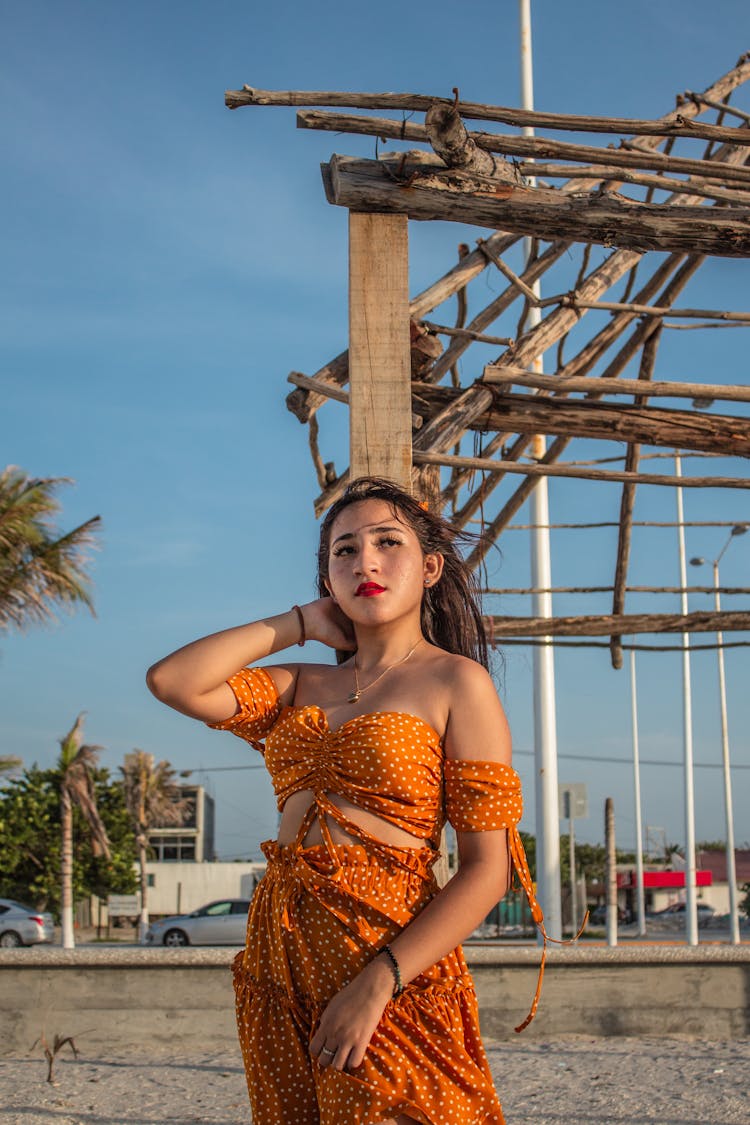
(40, 568)
(77, 763)
(152, 796)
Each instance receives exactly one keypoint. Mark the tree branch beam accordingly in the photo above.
(624, 624)
(429, 192)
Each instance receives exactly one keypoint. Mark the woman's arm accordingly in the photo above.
(477, 730)
(193, 679)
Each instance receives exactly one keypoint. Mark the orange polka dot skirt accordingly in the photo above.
(425, 1059)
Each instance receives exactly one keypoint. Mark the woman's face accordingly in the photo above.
(376, 569)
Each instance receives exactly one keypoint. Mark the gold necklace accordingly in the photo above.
(354, 696)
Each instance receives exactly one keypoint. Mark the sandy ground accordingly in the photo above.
(574, 1081)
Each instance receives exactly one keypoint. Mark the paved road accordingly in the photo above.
(572, 1081)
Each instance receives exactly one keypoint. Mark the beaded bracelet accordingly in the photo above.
(302, 637)
(398, 987)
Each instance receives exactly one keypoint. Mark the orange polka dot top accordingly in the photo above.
(389, 763)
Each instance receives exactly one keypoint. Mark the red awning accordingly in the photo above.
(662, 880)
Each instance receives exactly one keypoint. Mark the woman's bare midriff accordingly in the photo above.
(298, 804)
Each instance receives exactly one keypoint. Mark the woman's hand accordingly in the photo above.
(349, 1021)
(325, 622)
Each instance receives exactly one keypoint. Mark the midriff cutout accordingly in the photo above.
(298, 804)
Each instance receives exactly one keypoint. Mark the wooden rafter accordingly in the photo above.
(432, 192)
(558, 384)
(677, 122)
(627, 503)
(575, 472)
(592, 418)
(623, 625)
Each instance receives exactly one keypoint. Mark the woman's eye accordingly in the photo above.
(340, 551)
(389, 541)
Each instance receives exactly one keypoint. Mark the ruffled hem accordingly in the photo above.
(425, 1059)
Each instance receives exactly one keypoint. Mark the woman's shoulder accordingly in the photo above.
(460, 673)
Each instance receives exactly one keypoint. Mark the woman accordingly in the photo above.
(354, 1004)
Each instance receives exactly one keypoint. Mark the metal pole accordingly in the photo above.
(734, 921)
(572, 857)
(545, 731)
(640, 894)
(611, 880)
(691, 901)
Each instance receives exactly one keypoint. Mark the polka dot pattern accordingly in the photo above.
(321, 913)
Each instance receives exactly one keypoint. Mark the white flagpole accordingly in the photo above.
(545, 730)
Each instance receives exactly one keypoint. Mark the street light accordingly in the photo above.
(734, 922)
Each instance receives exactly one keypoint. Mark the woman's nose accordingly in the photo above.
(366, 561)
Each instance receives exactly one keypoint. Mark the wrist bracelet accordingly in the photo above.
(302, 637)
(398, 987)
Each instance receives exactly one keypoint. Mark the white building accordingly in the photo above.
(180, 887)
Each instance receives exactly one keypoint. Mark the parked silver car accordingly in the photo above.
(20, 925)
(217, 923)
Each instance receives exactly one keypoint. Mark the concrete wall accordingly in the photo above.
(181, 1000)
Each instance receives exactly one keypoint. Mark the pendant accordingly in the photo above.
(354, 697)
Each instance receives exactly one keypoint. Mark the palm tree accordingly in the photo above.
(76, 764)
(40, 568)
(152, 798)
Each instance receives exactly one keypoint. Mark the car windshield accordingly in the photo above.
(20, 906)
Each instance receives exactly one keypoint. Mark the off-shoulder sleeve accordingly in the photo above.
(259, 703)
(482, 796)
(486, 796)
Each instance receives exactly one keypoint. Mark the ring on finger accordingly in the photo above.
(327, 1051)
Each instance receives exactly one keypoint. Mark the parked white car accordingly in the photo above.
(20, 925)
(217, 923)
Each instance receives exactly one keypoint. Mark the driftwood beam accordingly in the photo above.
(329, 390)
(429, 192)
(693, 185)
(507, 591)
(622, 624)
(627, 501)
(482, 144)
(657, 311)
(304, 402)
(724, 434)
(467, 334)
(563, 384)
(609, 475)
(677, 123)
(318, 386)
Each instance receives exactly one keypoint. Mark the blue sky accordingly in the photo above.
(168, 262)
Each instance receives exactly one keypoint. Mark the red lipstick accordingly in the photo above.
(369, 590)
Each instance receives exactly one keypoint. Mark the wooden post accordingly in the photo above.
(379, 348)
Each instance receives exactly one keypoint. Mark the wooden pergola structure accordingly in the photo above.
(676, 191)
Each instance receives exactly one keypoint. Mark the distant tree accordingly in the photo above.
(41, 568)
(9, 764)
(30, 841)
(76, 767)
(745, 902)
(152, 798)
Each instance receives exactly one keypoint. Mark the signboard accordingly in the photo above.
(574, 801)
(123, 906)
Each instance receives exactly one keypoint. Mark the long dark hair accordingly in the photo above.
(451, 616)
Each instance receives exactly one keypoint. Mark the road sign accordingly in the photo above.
(574, 801)
(122, 906)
